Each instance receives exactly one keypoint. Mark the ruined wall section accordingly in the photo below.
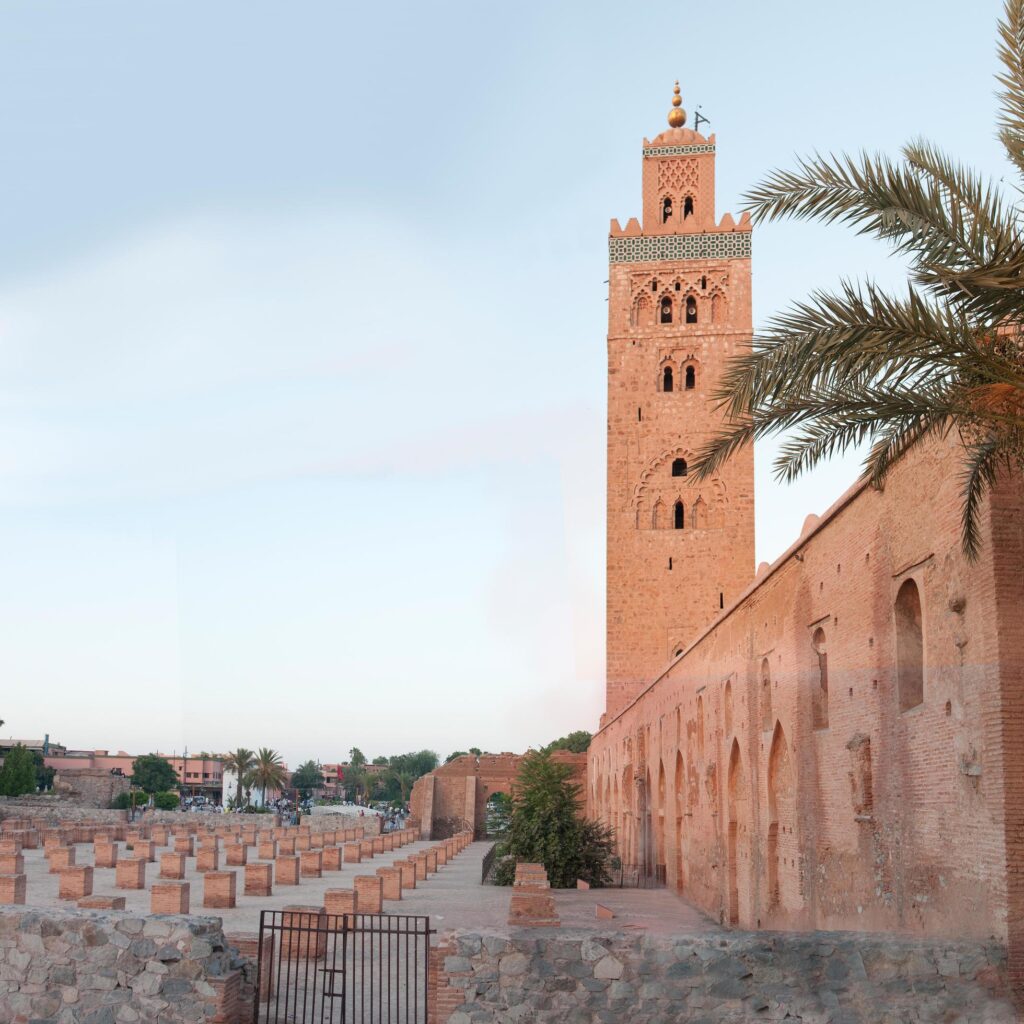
(774, 803)
(454, 797)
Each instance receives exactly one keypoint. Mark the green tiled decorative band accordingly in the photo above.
(723, 245)
(678, 150)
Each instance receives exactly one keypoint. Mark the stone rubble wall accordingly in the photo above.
(75, 965)
(825, 978)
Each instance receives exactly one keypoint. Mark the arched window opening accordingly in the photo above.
(679, 467)
(666, 379)
(727, 701)
(666, 310)
(704, 284)
(666, 210)
(687, 207)
(691, 310)
(654, 286)
(678, 286)
(717, 309)
(909, 646)
(766, 696)
(819, 697)
(678, 515)
(691, 378)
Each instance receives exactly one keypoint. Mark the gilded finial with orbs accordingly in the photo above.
(677, 116)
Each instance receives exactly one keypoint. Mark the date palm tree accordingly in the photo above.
(268, 772)
(240, 762)
(860, 364)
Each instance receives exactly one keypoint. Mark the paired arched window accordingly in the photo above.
(909, 646)
(666, 310)
(691, 378)
(666, 379)
(691, 310)
(666, 209)
(819, 695)
(678, 516)
(679, 467)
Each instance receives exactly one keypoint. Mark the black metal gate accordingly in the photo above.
(318, 968)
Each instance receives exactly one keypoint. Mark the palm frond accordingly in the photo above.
(982, 461)
(1011, 55)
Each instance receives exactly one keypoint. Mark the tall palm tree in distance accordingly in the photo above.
(860, 364)
(268, 772)
(240, 762)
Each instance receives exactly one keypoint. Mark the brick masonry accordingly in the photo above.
(837, 740)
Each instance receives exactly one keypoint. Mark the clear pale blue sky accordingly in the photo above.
(302, 340)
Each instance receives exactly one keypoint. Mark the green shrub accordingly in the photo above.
(546, 827)
(167, 801)
(18, 775)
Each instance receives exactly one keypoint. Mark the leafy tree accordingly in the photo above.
(307, 777)
(154, 774)
(381, 760)
(166, 801)
(578, 742)
(454, 754)
(860, 364)
(356, 758)
(546, 827)
(18, 775)
(240, 762)
(268, 772)
(44, 774)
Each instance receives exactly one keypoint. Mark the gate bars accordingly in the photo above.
(320, 968)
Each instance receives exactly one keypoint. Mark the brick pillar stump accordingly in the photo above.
(316, 841)
(302, 843)
(431, 858)
(169, 898)
(303, 933)
(236, 854)
(286, 871)
(311, 864)
(75, 882)
(408, 872)
(207, 859)
(60, 857)
(340, 901)
(267, 849)
(105, 855)
(286, 846)
(101, 903)
(172, 865)
(159, 835)
(369, 894)
(131, 873)
(353, 854)
(442, 854)
(146, 849)
(185, 845)
(12, 889)
(391, 883)
(258, 879)
(219, 890)
(12, 845)
(366, 848)
(420, 861)
(12, 864)
(378, 844)
(331, 858)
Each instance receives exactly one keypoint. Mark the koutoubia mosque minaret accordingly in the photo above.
(679, 551)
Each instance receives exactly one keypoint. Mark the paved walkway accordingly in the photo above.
(452, 898)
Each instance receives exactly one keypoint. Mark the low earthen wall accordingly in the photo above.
(601, 978)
